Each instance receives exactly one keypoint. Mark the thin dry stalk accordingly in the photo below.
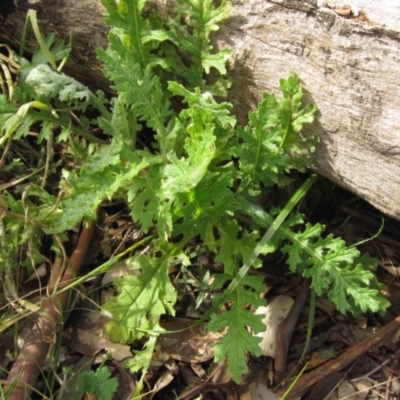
(307, 381)
(32, 355)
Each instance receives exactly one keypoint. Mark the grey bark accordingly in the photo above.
(347, 59)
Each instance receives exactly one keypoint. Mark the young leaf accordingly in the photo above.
(100, 178)
(51, 84)
(143, 199)
(204, 210)
(234, 245)
(293, 116)
(194, 39)
(142, 299)
(241, 323)
(100, 383)
(140, 89)
(260, 158)
(126, 16)
(272, 138)
(142, 360)
(335, 269)
(185, 173)
(205, 101)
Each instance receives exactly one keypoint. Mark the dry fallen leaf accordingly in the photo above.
(191, 345)
(274, 314)
(258, 391)
(164, 380)
(85, 334)
(347, 390)
(39, 272)
(363, 387)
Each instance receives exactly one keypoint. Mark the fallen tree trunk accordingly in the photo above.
(347, 58)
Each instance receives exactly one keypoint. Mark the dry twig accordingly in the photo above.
(32, 355)
(348, 356)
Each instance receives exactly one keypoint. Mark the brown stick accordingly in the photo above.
(286, 329)
(31, 358)
(351, 354)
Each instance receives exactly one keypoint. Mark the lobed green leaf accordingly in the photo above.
(335, 269)
(241, 323)
(142, 299)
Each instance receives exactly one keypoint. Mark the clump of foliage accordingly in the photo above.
(198, 183)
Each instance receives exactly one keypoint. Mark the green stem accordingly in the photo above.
(135, 32)
(65, 59)
(275, 226)
(106, 266)
(100, 106)
(310, 325)
(33, 18)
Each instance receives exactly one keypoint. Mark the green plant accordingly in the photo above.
(199, 183)
(99, 383)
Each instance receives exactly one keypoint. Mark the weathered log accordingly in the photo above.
(347, 58)
(82, 19)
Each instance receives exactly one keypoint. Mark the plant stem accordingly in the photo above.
(300, 193)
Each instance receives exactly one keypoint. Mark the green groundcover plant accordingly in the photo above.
(99, 383)
(199, 183)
